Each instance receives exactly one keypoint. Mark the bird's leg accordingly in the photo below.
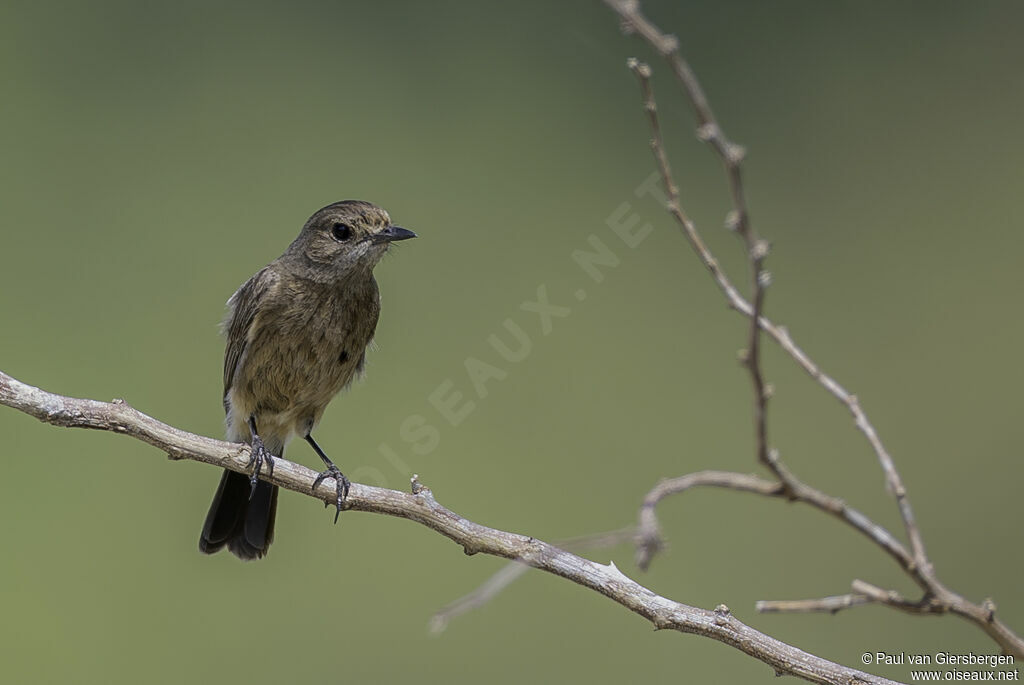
(341, 483)
(257, 456)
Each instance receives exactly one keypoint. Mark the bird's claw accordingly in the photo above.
(258, 456)
(341, 487)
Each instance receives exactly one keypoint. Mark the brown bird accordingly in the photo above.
(297, 333)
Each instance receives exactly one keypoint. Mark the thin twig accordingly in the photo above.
(708, 129)
(512, 571)
(788, 484)
(936, 596)
(421, 507)
(488, 590)
(863, 593)
(649, 539)
(937, 599)
(757, 249)
(925, 605)
(808, 606)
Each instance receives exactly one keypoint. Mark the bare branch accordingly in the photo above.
(421, 507)
(863, 593)
(488, 590)
(756, 249)
(511, 572)
(737, 220)
(807, 606)
(926, 605)
(936, 598)
(708, 129)
(649, 536)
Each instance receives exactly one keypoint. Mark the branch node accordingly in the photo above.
(732, 220)
(708, 131)
(915, 561)
(641, 68)
(668, 44)
(735, 154)
(648, 544)
(760, 249)
(661, 623)
(989, 607)
(437, 625)
(615, 569)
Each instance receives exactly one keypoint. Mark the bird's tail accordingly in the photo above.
(244, 524)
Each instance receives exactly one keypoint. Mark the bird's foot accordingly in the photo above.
(341, 486)
(258, 456)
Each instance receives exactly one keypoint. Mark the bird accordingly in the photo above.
(297, 333)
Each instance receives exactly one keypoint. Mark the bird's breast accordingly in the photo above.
(300, 354)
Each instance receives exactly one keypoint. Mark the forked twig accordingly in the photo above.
(757, 250)
(936, 597)
(708, 129)
(649, 539)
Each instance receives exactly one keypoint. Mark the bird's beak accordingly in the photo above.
(393, 233)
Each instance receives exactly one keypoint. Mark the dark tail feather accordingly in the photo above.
(245, 525)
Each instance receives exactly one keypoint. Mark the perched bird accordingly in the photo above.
(297, 333)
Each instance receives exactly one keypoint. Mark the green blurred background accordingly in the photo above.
(155, 155)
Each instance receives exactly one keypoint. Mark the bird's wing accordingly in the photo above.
(242, 309)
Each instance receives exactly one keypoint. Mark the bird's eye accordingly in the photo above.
(341, 231)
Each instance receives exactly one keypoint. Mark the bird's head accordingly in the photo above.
(346, 237)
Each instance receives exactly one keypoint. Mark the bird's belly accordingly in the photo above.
(287, 387)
